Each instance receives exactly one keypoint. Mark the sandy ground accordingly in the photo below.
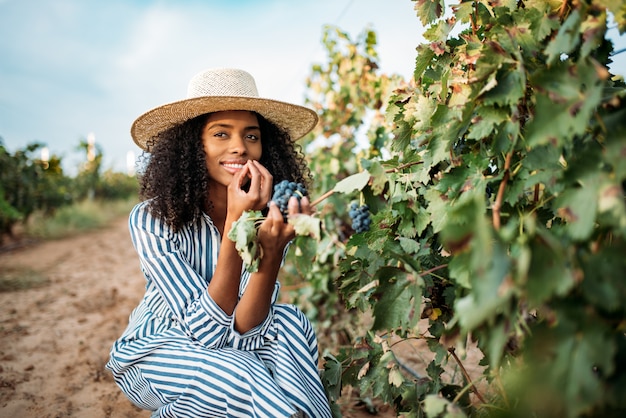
(55, 338)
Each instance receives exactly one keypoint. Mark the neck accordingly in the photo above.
(217, 205)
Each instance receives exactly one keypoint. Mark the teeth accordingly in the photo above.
(238, 166)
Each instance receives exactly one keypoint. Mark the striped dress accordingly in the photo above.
(180, 355)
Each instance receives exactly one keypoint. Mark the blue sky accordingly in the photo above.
(69, 68)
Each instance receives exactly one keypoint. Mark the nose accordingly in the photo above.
(238, 145)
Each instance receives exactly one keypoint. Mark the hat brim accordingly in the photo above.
(296, 120)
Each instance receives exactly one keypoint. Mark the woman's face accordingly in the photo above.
(230, 138)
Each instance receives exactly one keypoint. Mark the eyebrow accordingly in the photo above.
(225, 125)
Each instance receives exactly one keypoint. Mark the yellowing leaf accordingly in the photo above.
(364, 370)
(305, 225)
(434, 314)
(395, 377)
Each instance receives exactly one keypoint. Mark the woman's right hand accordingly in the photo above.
(258, 194)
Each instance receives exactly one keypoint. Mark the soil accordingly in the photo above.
(55, 336)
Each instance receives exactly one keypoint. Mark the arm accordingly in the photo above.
(181, 288)
(224, 286)
(274, 235)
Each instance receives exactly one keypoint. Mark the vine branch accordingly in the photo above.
(391, 170)
(432, 270)
(498, 203)
(451, 350)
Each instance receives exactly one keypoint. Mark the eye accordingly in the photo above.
(220, 134)
(253, 137)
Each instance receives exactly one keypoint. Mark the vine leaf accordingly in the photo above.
(566, 39)
(352, 183)
(243, 233)
(578, 208)
(428, 11)
(305, 225)
(435, 406)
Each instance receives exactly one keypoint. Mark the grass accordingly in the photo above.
(67, 221)
(77, 218)
(20, 278)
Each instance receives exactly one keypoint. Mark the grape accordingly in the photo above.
(283, 191)
(361, 217)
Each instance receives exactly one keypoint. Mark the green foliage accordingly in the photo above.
(77, 218)
(30, 185)
(497, 188)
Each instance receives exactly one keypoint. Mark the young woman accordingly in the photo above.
(208, 338)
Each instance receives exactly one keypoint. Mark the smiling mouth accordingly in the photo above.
(233, 166)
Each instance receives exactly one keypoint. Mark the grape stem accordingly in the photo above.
(391, 170)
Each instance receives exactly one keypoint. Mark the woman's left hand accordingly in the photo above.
(274, 232)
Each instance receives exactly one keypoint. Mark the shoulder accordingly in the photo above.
(139, 212)
(142, 218)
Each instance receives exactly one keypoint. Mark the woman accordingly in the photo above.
(208, 338)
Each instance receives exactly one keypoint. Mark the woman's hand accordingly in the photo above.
(258, 193)
(274, 233)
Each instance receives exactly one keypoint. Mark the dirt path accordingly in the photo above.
(55, 339)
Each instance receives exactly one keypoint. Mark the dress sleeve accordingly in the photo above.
(184, 291)
(255, 338)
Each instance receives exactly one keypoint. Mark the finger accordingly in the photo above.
(242, 176)
(266, 180)
(305, 206)
(255, 176)
(293, 206)
(274, 220)
(274, 212)
(276, 216)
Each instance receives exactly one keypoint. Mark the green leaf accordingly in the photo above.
(566, 39)
(331, 377)
(542, 24)
(243, 233)
(394, 307)
(578, 207)
(428, 10)
(510, 88)
(353, 183)
(548, 273)
(569, 361)
(424, 58)
(603, 284)
(379, 178)
(419, 111)
(572, 94)
(485, 122)
(490, 290)
(437, 208)
(409, 246)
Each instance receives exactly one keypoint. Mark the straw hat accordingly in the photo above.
(217, 90)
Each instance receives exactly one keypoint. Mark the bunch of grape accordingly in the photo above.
(283, 191)
(361, 218)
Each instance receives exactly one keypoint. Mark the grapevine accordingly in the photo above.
(283, 191)
(244, 231)
(361, 217)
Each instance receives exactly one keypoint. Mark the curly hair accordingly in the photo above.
(176, 180)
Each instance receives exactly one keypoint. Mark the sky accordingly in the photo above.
(73, 69)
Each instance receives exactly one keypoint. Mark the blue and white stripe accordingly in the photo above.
(180, 355)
